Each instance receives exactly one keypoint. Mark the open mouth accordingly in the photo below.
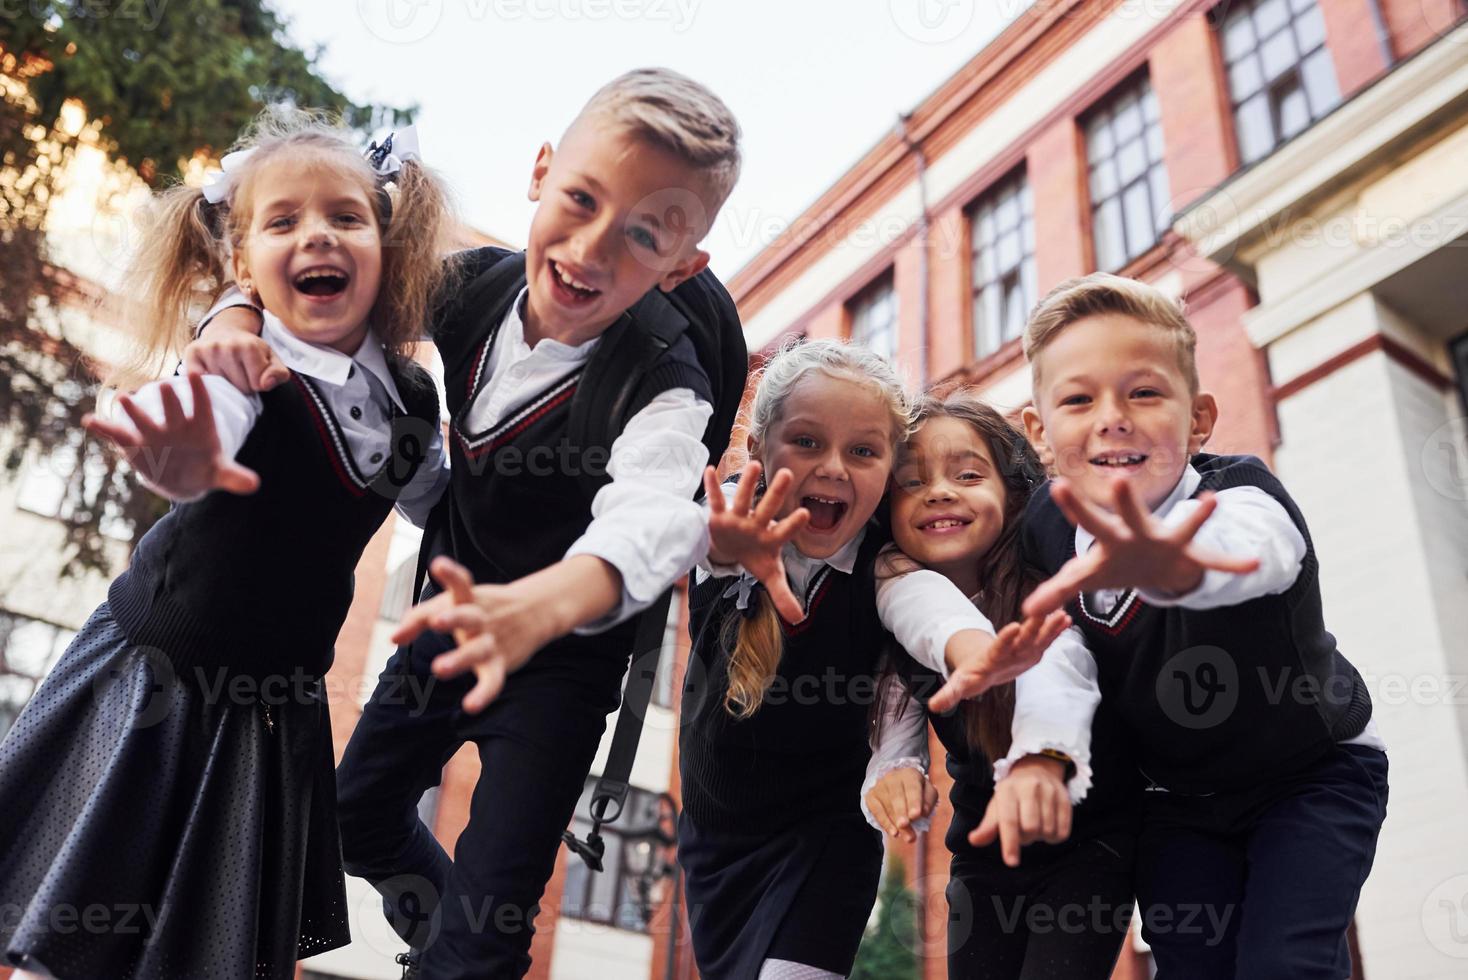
(322, 282)
(945, 523)
(570, 289)
(1119, 461)
(825, 513)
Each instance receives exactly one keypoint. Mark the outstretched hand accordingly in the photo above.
(497, 629)
(1030, 804)
(180, 459)
(982, 662)
(747, 534)
(1133, 549)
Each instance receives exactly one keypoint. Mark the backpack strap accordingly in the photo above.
(609, 797)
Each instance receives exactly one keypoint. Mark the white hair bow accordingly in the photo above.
(386, 159)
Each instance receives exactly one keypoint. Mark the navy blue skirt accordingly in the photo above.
(155, 829)
(804, 894)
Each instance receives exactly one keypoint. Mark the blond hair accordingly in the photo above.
(184, 254)
(757, 639)
(681, 116)
(1101, 293)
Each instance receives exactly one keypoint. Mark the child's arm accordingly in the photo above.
(181, 435)
(896, 796)
(1054, 705)
(646, 531)
(1246, 521)
(939, 626)
(233, 348)
(1134, 549)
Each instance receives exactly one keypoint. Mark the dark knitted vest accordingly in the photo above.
(805, 751)
(517, 497)
(1217, 699)
(259, 585)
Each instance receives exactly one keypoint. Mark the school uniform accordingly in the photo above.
(1066, 909)
(177, 761)
(1265, 776)
(778, 862)
(516, 504)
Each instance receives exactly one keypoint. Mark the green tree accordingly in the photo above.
(163, 80)
(887, 948)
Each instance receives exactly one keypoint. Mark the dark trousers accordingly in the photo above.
(1261, 884)
(471, 917)
(1061, 918)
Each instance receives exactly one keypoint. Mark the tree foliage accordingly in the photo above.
(162, 80)
(887, 950)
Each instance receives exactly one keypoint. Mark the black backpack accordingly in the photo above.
(700, 309)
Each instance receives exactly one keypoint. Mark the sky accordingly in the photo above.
(814, 83)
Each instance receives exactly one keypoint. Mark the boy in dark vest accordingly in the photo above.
(532, 346)
(1197, 587)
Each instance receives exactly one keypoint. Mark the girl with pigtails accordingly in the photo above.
(177, 761)
(781, 868)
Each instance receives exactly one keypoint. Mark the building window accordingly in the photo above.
(874, 317)
(1003, 230)
(1280, 76)
(29, 648)
(1130, 201)
(609, 896)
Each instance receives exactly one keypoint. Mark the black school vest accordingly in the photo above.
(259, 585)
(517, 498)
(805, 751)
(1218, 699)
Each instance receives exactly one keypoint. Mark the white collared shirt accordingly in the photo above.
(359, 392)
(644, 523)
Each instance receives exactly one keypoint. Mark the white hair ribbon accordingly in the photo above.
(218, 184)
(388, 157)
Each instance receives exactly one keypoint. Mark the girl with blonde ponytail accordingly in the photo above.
(774, 739)
(178, 758)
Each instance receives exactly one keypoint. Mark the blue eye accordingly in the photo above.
(804, 442)
(276, 224)
(865, 451)
(644, 238)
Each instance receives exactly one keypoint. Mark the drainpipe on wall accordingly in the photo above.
(921, 159)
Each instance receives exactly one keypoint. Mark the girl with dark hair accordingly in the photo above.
(960, 485)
